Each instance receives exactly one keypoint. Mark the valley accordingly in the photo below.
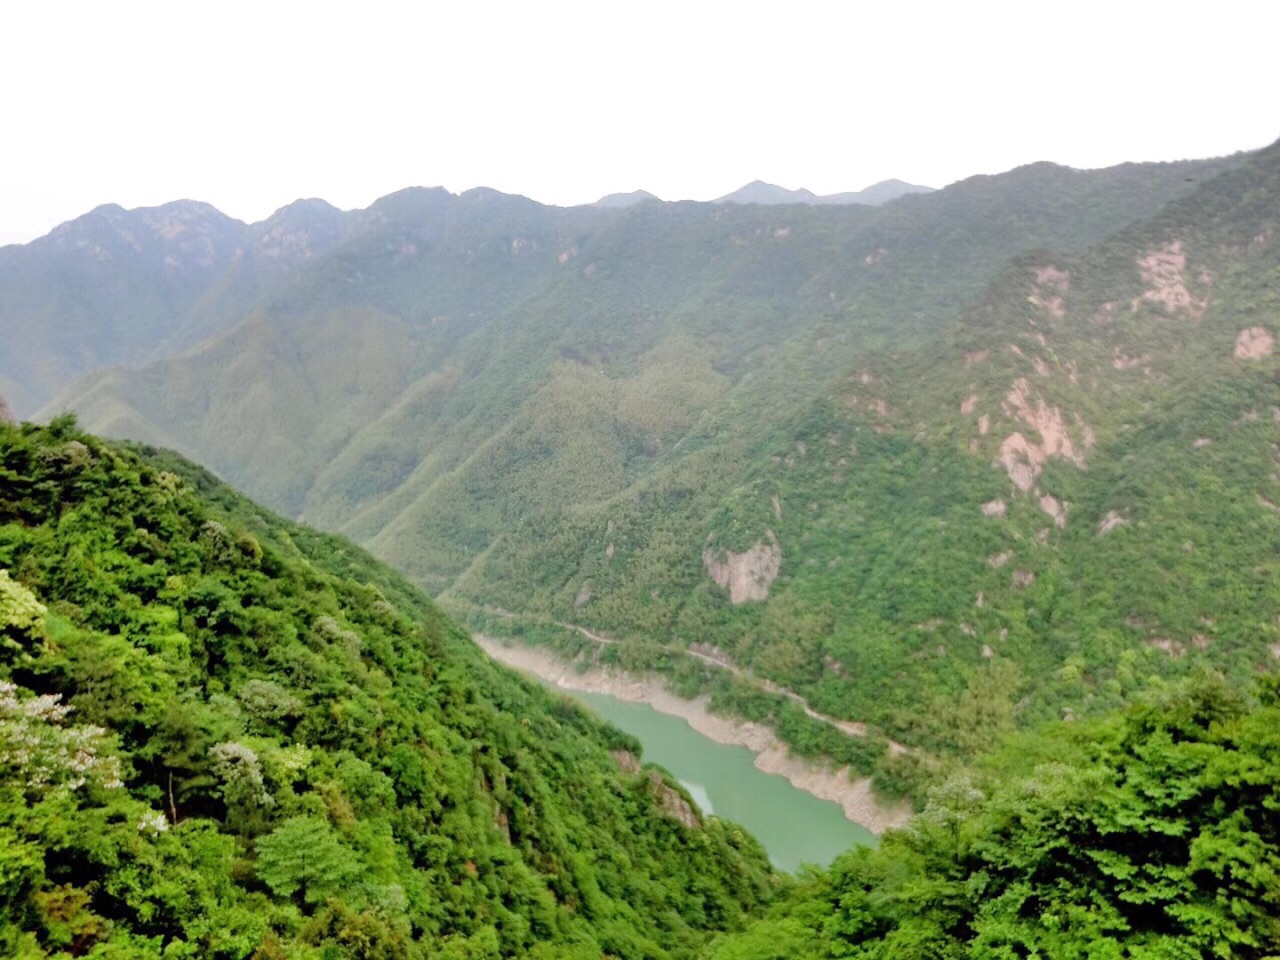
(958, 512)
(741, 427)
(852, 794)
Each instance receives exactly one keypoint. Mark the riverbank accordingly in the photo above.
(854, 795)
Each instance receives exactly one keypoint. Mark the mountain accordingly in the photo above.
(126, 286)
(585, 416)
(878, 193)
(757, 191)
(1068, 493)
(224, 734)
(624, 199)
(1149, 833)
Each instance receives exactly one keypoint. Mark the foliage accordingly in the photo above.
(1151, 834)
(555, 413)
(225, 735)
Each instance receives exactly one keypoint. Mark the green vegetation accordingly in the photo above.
(1151, 833)
(1018, 510)
(1146, 549)
(226, 735)
(573, 415)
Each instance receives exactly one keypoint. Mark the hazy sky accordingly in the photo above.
(251, 105)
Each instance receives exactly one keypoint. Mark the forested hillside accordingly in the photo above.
(1072, 490)
(226, 735)
(454, 334)
(1149, 834)
(127, 286)
(903, 460)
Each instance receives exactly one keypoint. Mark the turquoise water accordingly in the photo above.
(793, 826)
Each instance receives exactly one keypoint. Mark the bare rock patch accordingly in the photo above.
(1054, 508)
(1254, 343)
(749, 575)
(1022, 458)
(1164, 273)
(1110, 522)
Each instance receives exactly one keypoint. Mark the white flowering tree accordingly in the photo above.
(39, 752)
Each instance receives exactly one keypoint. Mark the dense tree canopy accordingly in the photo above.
(1152, 833)
(223, 735)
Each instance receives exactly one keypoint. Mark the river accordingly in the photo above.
(794, 827)
(802, 811)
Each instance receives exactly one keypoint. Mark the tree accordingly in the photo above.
(304, 856)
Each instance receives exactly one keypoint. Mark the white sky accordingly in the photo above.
(251, 105)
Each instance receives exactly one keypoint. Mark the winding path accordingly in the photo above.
(851, 728)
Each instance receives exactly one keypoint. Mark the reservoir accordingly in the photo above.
(794, 827)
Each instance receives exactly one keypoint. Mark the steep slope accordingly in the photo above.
(126, 286)
(222, 734)
(542, 359)
(1072, 491)
(1148, 835)
(713, 376)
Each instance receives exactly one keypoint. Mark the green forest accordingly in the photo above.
(989, 476)
(225, 735)
(1151, 833)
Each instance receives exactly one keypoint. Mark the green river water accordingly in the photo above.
(795, 827)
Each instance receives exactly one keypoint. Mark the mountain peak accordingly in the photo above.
(304, 207)
(758, 191)
(616, 200)
(410, 203)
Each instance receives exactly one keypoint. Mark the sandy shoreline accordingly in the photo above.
(772, 756)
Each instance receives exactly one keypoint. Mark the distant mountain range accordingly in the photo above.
(757, 191)
(888, 456)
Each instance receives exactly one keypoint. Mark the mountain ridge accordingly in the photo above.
(758, 191)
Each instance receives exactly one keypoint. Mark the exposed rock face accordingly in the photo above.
(1163, 271)
(1023, 458)
(6, 415)
(747, 576)
(627, 761)
(1050, 286)
(1054, 508)
(994, 508)
(1110, 522)
(1254, 343)
(670, 803)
